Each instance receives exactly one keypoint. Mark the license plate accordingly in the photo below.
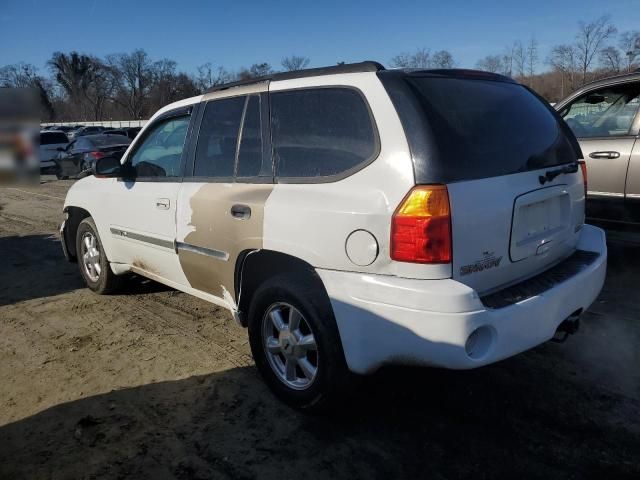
(538, 221)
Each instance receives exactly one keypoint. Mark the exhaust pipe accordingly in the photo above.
(569, 326)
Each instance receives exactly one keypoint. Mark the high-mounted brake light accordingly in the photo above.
(421, 226)
(583, 167)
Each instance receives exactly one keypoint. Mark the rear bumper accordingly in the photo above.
(390, 320)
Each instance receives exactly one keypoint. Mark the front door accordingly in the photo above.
(143, 209)
(603, 122)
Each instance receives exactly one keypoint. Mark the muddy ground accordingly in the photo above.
(155, 384)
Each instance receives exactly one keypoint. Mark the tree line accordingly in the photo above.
(77, 86)
(598, 50)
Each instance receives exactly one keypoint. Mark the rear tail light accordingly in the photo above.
(421, 226)
(583, 167)
(96, 155)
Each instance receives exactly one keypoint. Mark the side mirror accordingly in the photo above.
(108, 167)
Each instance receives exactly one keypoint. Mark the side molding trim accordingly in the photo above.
(209, 252)
(142, 238)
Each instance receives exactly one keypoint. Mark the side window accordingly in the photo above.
(250, 150)
(320, 132)
(160, 153)
(82, 144)
(218, 138)
(608, 112)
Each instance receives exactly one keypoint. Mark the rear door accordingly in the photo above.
(603, 121)
(221, 201)
(510, 166)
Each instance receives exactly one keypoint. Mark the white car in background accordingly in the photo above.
(50, 142)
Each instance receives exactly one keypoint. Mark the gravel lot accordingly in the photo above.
(155, 384)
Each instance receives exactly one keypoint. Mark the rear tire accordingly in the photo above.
(296, 345)
(92, 260)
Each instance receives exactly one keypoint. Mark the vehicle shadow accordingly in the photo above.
(500, 422)
(527, 417)
(33, 266)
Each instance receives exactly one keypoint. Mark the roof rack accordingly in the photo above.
(367, 66)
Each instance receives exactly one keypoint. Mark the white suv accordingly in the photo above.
(353, 217)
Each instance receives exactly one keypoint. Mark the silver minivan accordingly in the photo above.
(604, 117)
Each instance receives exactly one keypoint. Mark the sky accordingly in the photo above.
(240, 33)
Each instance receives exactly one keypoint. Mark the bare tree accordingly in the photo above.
(74, 73)
(491, 63)
(442, 59)
(590, 40)
(519, 59)
(564, 59)
(256, 70)
(100, 87)
(18, 75)
(421, 58)
(611, 59)
(532, 57)
(630, 46)
(133, 79)
(209, 76)
(25, 75)
(507, 61)
(295, 62)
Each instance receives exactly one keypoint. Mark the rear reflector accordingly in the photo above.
(583, 167)
(421, 226)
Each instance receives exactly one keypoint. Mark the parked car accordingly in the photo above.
(130, 132)
(81, 153)
(82, 131)
(604, 117)
(50, 142)
(353, 217)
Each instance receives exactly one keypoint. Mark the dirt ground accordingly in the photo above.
(155, 384)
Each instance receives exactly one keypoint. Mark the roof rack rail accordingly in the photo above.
(367, 66)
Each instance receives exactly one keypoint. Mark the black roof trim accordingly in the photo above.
(449, 73)
(367, 66)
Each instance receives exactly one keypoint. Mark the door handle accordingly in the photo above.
(241, 212)
(604, 155)
(163, 203)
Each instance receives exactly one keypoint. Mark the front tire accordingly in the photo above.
(92, 260)
(295, 343)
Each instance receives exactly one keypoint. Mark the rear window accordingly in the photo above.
(106, 140)
(49, 138)
(483, 128)
(321, 132)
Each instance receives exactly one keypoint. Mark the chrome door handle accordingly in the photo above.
(604, 155)
(163, 203)
(241, 212)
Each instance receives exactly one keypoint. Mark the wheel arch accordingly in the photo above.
(74, 216)
(253, 267)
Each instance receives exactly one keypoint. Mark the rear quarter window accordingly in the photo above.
(321, 132)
